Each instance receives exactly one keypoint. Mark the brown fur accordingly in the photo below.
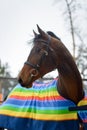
(69, 81)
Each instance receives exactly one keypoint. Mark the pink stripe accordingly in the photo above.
(44, 84)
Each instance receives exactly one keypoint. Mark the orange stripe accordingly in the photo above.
(36, 97)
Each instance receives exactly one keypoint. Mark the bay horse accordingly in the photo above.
(49, 53)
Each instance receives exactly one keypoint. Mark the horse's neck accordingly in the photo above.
(70, 82)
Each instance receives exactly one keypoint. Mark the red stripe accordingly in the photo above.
(85, 98)
(37, 98)
(85, 120)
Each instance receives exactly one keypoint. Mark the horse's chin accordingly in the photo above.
(26, 85)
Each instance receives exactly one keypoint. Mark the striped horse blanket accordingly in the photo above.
(40, 108)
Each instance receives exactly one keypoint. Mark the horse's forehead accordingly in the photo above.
(40, 43)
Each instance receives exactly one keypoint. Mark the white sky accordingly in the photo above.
(17, 20)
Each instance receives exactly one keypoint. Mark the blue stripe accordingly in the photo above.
(13, 123)
(42, 86)
(38, 105)
(35, 103)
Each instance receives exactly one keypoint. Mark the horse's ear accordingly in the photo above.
(35, 34)
(42, 33)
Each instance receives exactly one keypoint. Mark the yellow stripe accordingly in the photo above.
(35, 94)
(56, 117)
(83, 102)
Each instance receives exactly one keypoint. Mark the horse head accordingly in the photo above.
(42, 58)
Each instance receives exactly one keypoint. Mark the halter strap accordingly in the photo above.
(78, 108)
(32, 65)
(37, 66)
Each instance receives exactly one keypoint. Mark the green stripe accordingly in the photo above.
(38, 111)
(21, 90)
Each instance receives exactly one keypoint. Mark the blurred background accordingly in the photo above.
(66, 18)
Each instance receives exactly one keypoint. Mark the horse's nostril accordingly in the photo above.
(20, 80)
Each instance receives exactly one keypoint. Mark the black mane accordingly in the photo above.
(53, 35)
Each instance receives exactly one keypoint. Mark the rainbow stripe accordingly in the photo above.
(83, 114)
(41, 103)
(40, 106)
